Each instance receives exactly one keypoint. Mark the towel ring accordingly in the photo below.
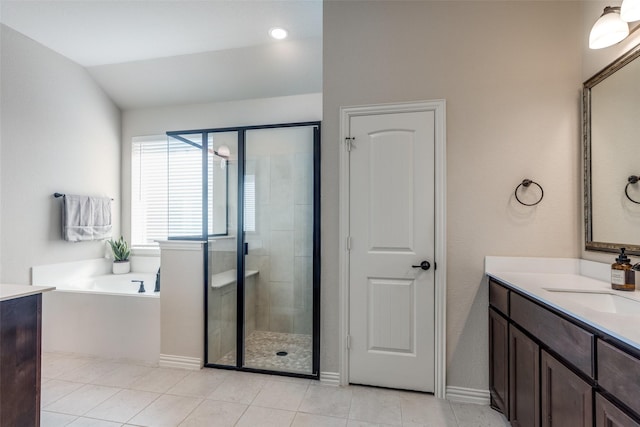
(633, 179)
(526, 183)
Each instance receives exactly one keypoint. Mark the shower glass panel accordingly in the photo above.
(222, 286)
(278, 222)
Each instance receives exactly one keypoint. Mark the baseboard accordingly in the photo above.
(182, 362)
(468, 395)
(330, 378)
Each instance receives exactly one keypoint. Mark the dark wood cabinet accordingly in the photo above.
(524, 384)
(20, 352)
(556, 365)
(566, 339)
(609, 415)
(566, 398)
(619, 374)
(499, 365)
(499, 298)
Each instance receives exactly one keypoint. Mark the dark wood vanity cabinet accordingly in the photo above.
(20, 335)
(551, 364)
(499, 348)
(524, 384)
(499, 356)
(609, 415)
(565, 397)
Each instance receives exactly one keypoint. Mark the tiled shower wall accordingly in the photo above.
(281, 247)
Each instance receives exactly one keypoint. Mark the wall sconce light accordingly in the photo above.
(630, 10)
(612, 27)
(609, 29)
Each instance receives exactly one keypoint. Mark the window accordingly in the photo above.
(166, 189)
(149, 195)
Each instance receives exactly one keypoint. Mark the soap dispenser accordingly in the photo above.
(623, 278)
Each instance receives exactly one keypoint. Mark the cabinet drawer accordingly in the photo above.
(609, 415)
(499, 297)
(619, 374)
(570, 341)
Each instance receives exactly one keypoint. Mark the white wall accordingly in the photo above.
(511, 74)
(157, 121)
(60, 133)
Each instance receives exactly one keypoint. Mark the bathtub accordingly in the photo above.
(102, 315)
(113, 284)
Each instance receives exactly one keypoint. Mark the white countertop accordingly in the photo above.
(531, 279)
(8, 292)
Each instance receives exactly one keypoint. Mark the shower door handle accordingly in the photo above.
(246, 248)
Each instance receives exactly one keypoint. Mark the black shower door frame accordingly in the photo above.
(240, 249)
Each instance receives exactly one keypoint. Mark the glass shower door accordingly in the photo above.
(278, 224)
(222, 285)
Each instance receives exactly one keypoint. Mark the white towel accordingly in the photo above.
(86, 218)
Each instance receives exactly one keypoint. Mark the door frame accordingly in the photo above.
(438, 106)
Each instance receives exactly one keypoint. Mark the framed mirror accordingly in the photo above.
(611, 132)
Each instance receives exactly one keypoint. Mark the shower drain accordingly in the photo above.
(281, 353)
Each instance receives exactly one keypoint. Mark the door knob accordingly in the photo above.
(423, 265)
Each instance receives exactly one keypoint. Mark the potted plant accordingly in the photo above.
(121, 253)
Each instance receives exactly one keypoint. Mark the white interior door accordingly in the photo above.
(391, 227)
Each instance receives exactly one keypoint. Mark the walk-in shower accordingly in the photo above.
(253, 194)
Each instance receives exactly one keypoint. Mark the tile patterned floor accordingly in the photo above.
(261, 348)
(81, 391)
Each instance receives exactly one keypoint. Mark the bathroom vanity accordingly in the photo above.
(20, 352)
(564, 349)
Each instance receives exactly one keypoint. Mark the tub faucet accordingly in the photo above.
(157, 288)
(141, 289)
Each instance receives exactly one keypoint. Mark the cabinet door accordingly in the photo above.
(608, 415)
(20, 335)
(499, 362)
(524, 385)
(566, 398)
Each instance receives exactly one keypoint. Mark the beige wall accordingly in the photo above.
(592, 62)
(511, 74)
(60, 133)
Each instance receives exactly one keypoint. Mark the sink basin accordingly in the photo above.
(604, 302)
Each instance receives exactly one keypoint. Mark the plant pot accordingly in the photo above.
(121, 267)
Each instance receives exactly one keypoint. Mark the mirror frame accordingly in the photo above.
(616, 65)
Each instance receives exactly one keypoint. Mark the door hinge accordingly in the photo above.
(348, 141)
(348, 243)
(348, 341)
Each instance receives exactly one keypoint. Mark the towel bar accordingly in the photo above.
(57, 195)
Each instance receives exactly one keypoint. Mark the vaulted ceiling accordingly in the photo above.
(156, 53)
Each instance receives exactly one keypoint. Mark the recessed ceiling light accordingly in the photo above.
(278, 33)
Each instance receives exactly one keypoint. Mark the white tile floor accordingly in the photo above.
(81, 391)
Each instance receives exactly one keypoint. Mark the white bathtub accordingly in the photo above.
(103, 316)
(113, 284)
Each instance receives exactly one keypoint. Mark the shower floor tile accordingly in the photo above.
(261, 348)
